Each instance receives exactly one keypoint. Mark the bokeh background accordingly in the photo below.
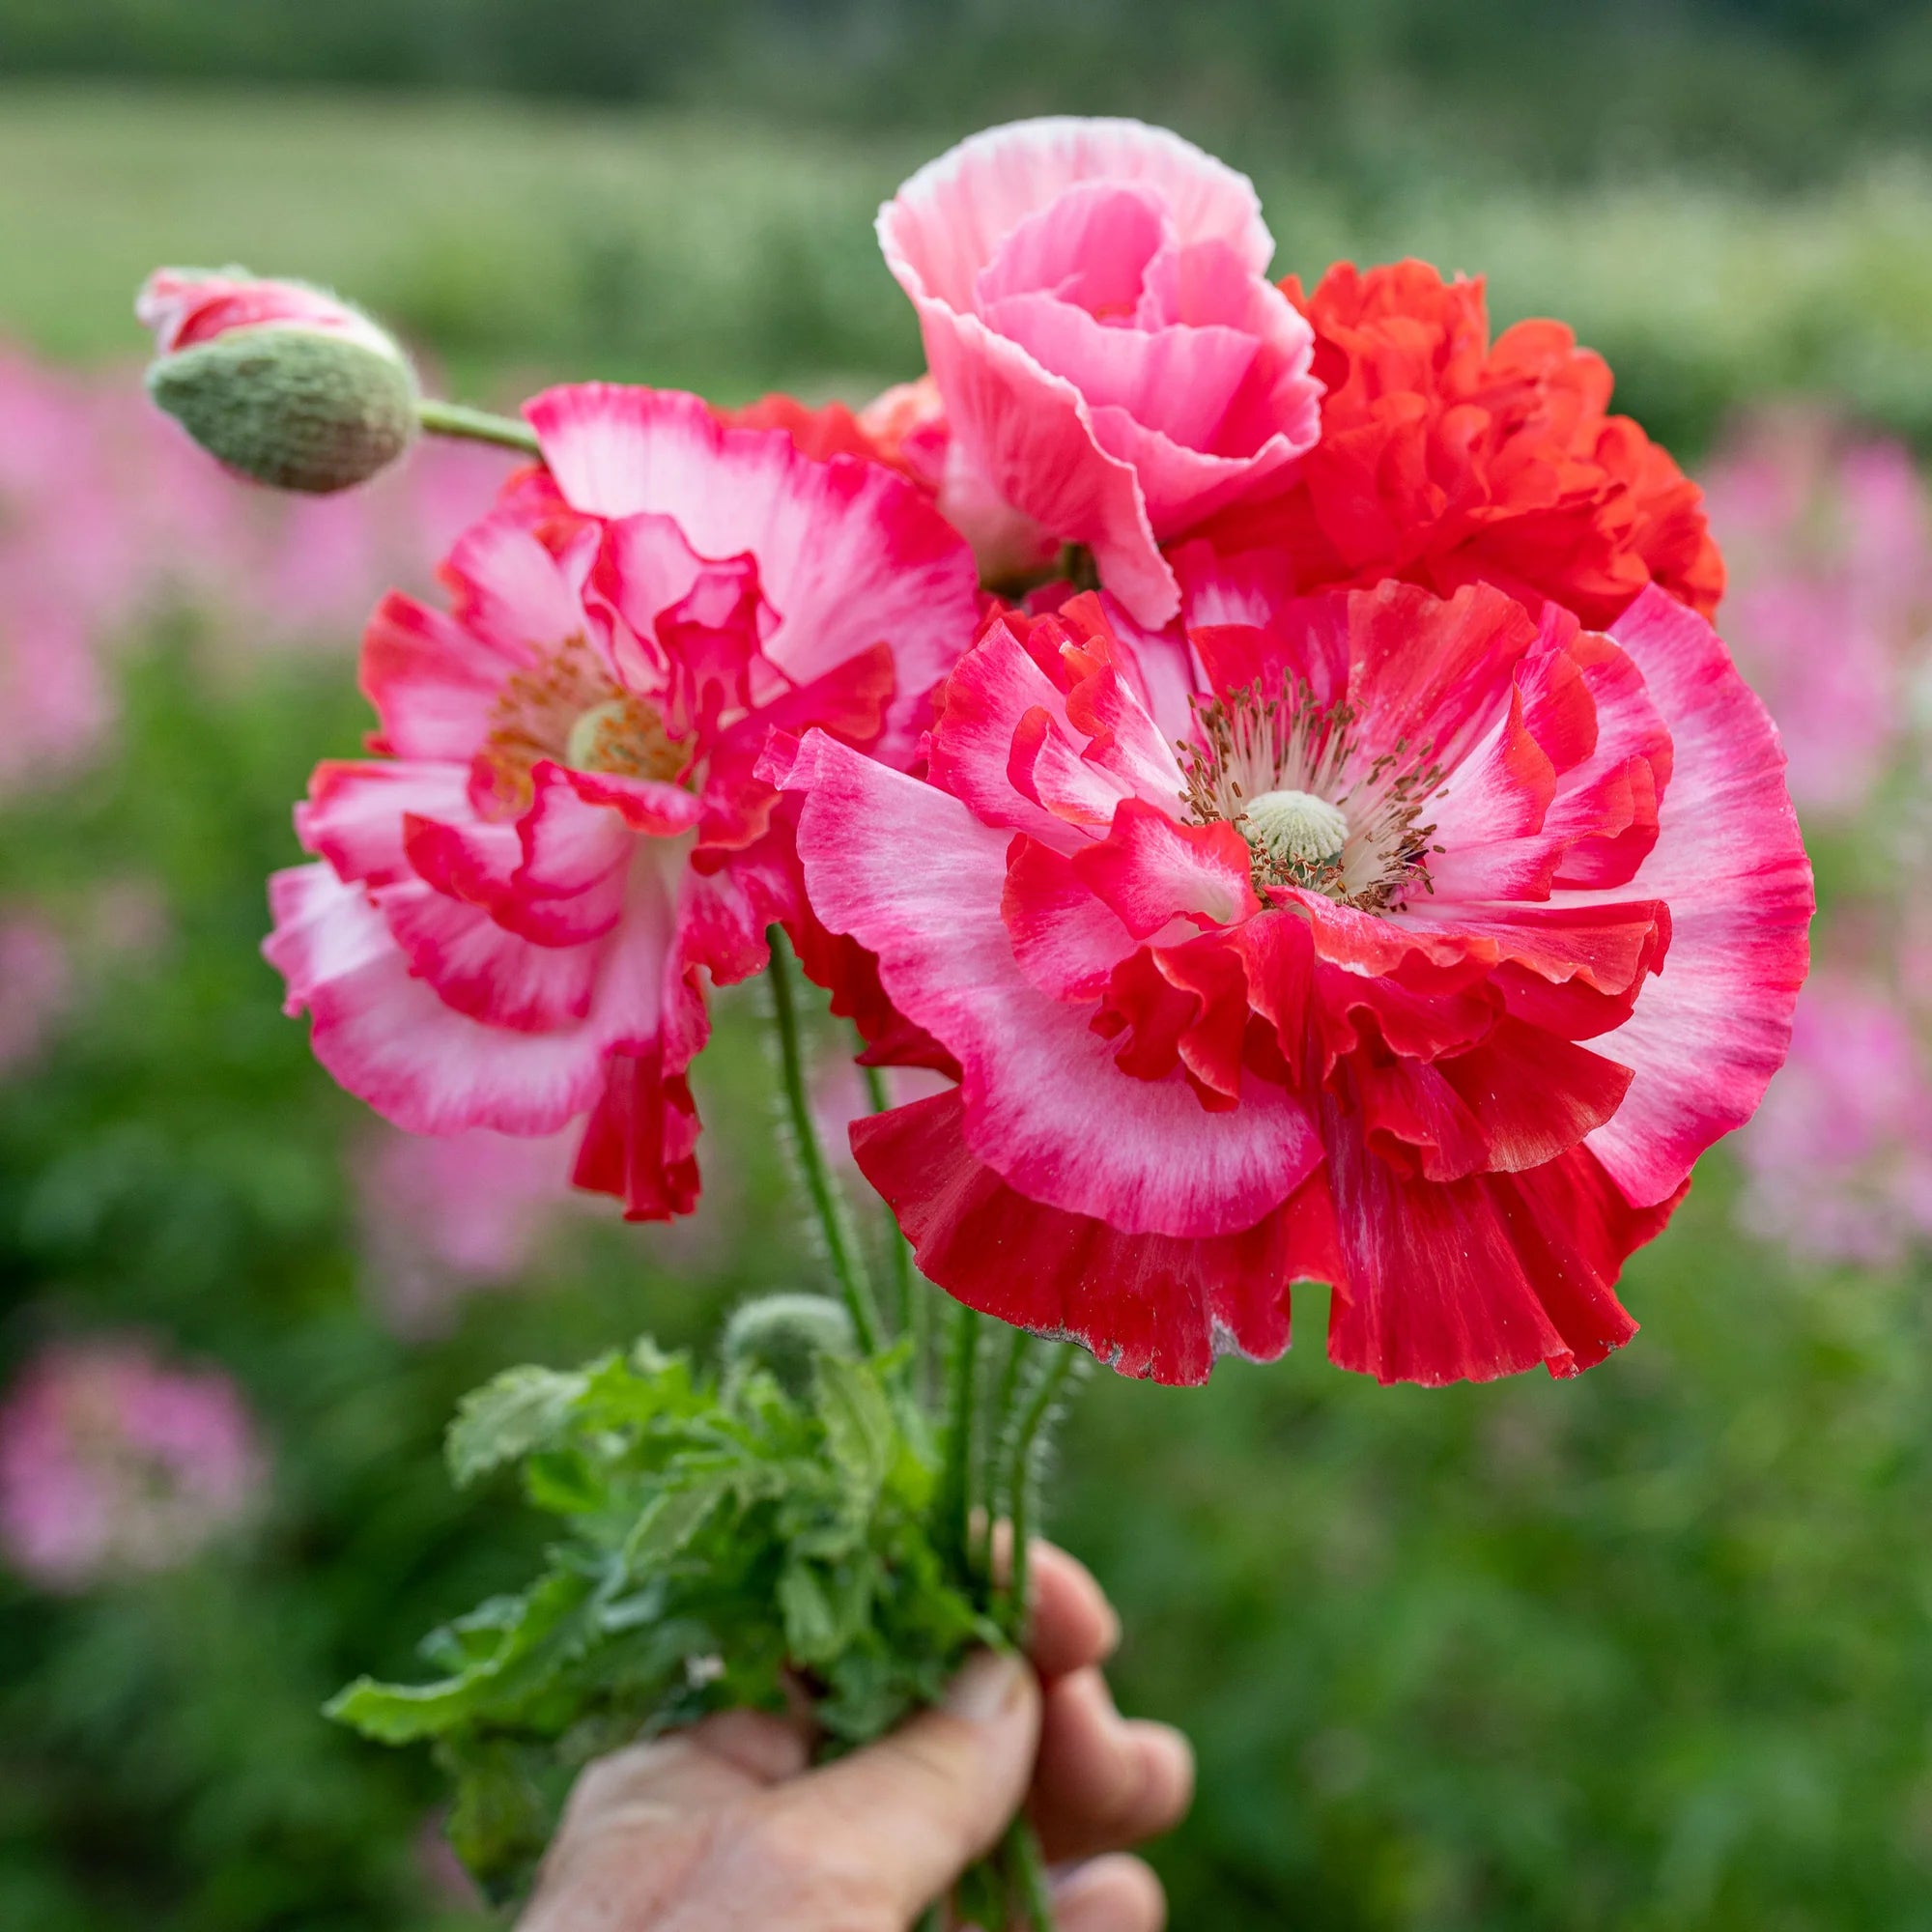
(1652, 1650)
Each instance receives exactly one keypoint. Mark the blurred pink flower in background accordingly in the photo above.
(323, 561)
(114, 1463)
(1828, 536)
(35, 984)
(1828, 543)
(110, 517)
(839, 1096)
(1840, 1156)
(445, 1218)
(448, 1218)
(67, 563)
(124, 917)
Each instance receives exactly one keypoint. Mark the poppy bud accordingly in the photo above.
(280, 381)
(785, 1335)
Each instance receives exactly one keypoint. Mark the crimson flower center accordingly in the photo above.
(1316, 810)
(568, 708)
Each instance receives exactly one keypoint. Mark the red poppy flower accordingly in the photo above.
(1446, 459)
(1415, 945)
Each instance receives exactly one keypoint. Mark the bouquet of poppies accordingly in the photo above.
(1261, 748)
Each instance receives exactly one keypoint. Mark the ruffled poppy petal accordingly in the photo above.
(850, 553)
(1046, 1104)
(1146, 1305)
(1486, 1276)
(1707, 1037)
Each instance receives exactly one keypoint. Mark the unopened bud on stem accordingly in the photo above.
(786, 1334)
(280, 381)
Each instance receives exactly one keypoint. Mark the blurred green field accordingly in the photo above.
(1650, 1650)
(518, 242)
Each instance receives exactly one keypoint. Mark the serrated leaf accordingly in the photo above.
(860, 1434)
(522, 1409)
(644, 1387)
(529, 1647)
(825, 1608)
(670, 1520)
(565, 1483)
(401, 1714)
(811, 1632)
(474, 1637)
(865, 1696)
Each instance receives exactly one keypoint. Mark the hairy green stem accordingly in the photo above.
(1030, 1444)
(459, 420)
(1004, 1425)
(911, 1304)
(1026, 1866)
(841, 1249)
(957, 1486)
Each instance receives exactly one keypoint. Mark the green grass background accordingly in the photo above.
(1650, 1650)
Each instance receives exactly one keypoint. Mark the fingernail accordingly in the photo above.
(986, 1689)
(1111, 1642)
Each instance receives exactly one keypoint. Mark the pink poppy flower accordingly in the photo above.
(1840, 1156)
(1114, 364)
(113, 1462)
(1413, 946)
(512, 907)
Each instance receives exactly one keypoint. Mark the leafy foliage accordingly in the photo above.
(725, 1542)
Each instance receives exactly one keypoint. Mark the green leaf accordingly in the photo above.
(503, 1813)
(826, 1607)
(402, 1714)
(811, 1628)
(860, 1432)
(565, 1482)
(866, 1694)
(525, 1652)
(523, 1409)
(670, 1520)
(475, 1637)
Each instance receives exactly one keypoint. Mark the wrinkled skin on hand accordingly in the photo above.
(725, 1827)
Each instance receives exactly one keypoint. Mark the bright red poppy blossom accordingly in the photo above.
(1447, 459)
(1411, 945)
(513, 908)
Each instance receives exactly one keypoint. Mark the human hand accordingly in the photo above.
(724, 1828)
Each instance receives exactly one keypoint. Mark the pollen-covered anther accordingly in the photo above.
(1295, 828)
(625, 737)
(568, 708)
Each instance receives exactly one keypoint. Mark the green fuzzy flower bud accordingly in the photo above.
(295, 408)
(785, 1335)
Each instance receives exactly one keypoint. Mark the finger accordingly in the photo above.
(911, 1813)
(720, 1758)
(1103, 1782)
(1111, 1894)
(1071, 1623)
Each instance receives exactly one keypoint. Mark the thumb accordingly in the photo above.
(916, 1808)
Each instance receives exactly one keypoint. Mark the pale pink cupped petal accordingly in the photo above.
(1114, 364)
